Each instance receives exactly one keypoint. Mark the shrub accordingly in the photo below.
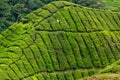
(84, 52)
(77, 74)
(61, 76)
(68, 18)
(67, 50)
(76, 50)
(68, 76)
(39, 59)
(63, 64)
(50, 49)
(44, 53)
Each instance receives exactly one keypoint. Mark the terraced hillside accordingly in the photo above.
(60, 41)
(112, 4)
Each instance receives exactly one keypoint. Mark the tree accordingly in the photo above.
(89, 3)
(34, 4)
(19, 10)
(4, 13)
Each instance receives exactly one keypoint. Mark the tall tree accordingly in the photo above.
(4, 13)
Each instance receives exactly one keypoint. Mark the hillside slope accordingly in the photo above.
(111, 72)
(112, 4)
(109, 76)
(60, 41)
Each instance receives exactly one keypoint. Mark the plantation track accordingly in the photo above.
(61, 41)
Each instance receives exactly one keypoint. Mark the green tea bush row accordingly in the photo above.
(62, 21)
(55, 23)
(68, 19)
(67, 50)
(111, 42)
(106, 48)
(84, 52)
(38, 57)
(31, 58)
(91, 48)
(46, 25)
(90, 18)
(84, 19)
(50, 50)
(16, 70)
(21, 66)
(101, 20)
(116, 18)
(44, 53)
(76, 19)
(12, 74)
(109, 24)
(52, 8)
(76, 50)
(43, 13)
(68, 75)
(95, 22)
(58, 5)
(116, 36)
(63, 64)
(112, 21)
(99, 50)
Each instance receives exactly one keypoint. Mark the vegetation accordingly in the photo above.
(111, 72)
(12, 11)
(111, 4)
(104, 77)
(113, 68)
(60, 41)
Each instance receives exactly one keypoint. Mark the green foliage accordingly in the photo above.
(40, 77)
(84, 52)
(85, 73)
(61, 42)
(61, 76)
(112, 4)
(113, 68)
(45, 55)
(106, 76)
(77, 74)
(13, 10)
(89, 3)
(53, 76)
(63, 64)
(51, 51)
(76, 52)
(68, 19)
(39, 60)
(68, 76)
(99, 50)
(4, 13)
(67, 50)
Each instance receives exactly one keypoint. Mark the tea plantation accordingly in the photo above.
(111, 4)
(61, 41)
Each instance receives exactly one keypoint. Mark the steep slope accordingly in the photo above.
(61, 41)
